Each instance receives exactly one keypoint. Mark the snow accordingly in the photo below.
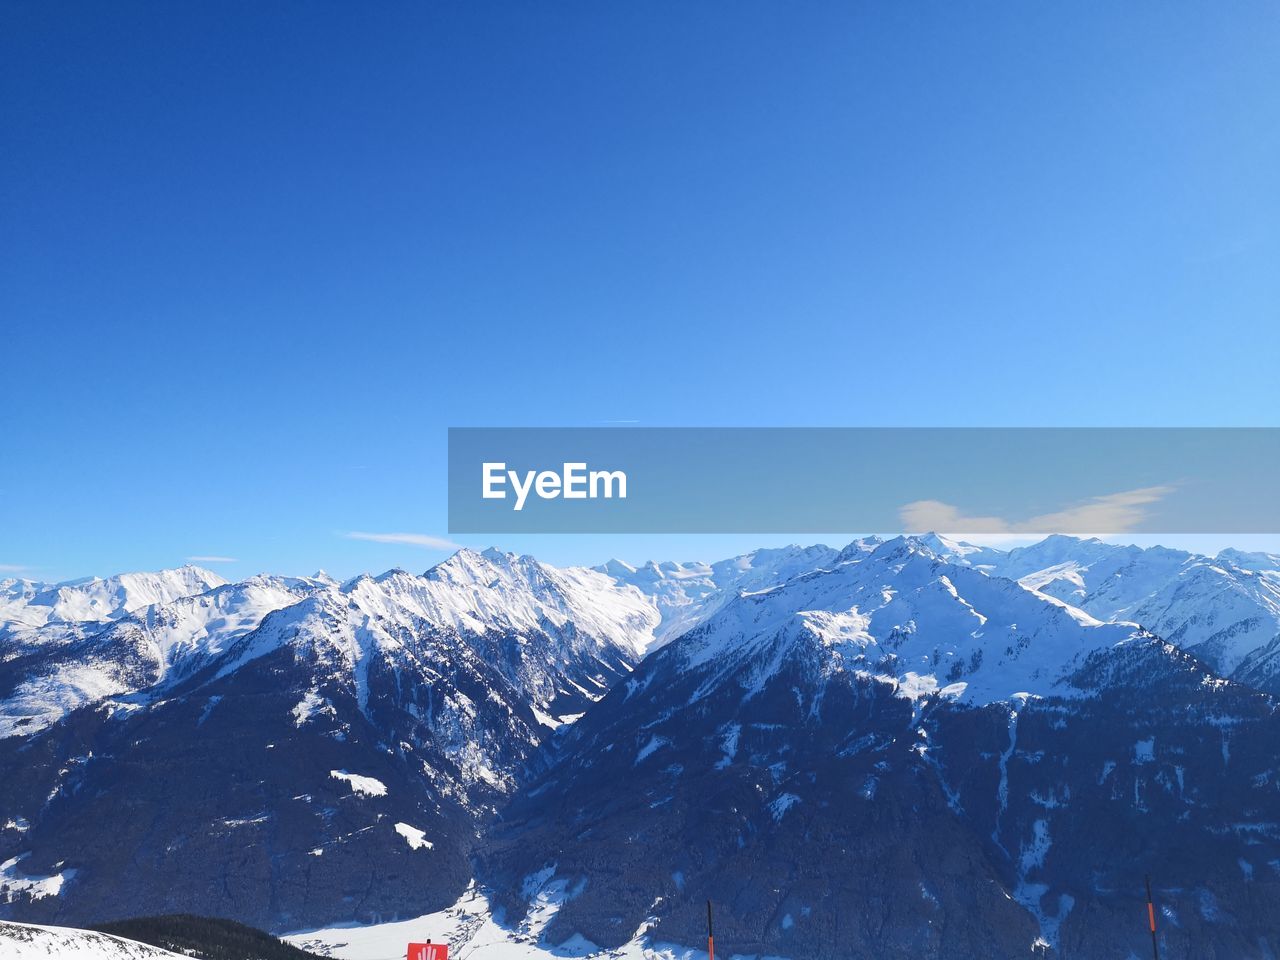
(779, 807)
(686, 594)
(40, 701)
(546, 719)
(95, 600)
(22, 941)
(655, 743)
(944, 630)
(417, 839)
(365, 786)
(470, 931)
(930, 617)
(35, 887)
(177, 622)
(474, 590)
(154, 618)
(1221, 608)
(729, 745)
(308, 707)
(870, 600)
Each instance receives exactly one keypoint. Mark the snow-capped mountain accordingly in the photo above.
(903, 756)
(21, 941)
(686, 593)
(1218, 609)
(65, 665)
(927, 737)
(27, 603)
(1257, 560)
(304, 749)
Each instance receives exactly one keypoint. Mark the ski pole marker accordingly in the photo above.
(1151, 919)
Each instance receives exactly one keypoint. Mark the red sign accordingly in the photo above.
(428, 951)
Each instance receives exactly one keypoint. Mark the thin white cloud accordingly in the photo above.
(205, 559)
(1113, 513)
(424, 540)
(12, 567)
(924, 516)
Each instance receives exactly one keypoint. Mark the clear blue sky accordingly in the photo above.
(255, 258)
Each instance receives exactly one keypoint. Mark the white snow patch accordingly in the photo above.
(655, 743)
(366, 786)
(309, 706)
(472, 934)
(780, 806)
(416, 838)
(35, 887)
(729, 745)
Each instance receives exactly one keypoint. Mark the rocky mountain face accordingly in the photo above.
(1224, 609)
(904, 757)
(686, 593)
(914, 748)
(332, 756)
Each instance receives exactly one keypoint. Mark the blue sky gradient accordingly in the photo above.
(256, 258)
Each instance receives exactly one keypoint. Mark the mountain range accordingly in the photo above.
(912, 747)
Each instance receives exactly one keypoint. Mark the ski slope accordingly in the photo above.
(22, 941)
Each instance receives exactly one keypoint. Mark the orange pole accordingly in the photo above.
(1151, 920)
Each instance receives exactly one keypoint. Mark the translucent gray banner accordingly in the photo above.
(815, 480)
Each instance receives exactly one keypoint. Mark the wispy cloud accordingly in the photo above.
(1113, 513)
(12, 567)
(423, 540)
(204, 559)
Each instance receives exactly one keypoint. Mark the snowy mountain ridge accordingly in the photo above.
(928, 758)
(33, 604)
(66, 645)
(905, 616)
(151, 646)
(23, 941)
(299, 752)
(1220, 611)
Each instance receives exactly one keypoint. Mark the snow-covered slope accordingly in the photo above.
(903, 756)
(905, 616)
(145, 649)
(1257, 560)
(21, 941)
(472, 933)
(1219, 610)
(476, 590)
(31, 604)
(354, 735)
(148, 648)
(686, 593)
(300, 752)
